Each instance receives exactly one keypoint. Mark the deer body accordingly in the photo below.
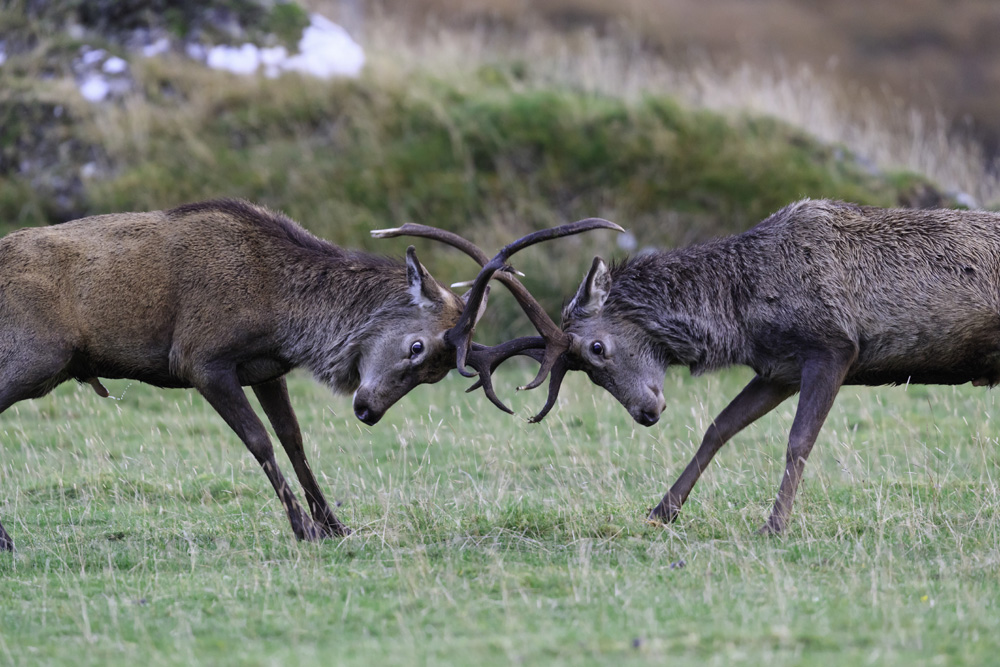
(916, 292)
(818, 295)
(223, 294)
(217, 296)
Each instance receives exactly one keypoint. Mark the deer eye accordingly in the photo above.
(416, 348)
(597, 347)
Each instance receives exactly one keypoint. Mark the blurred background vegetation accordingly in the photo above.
(679, 119)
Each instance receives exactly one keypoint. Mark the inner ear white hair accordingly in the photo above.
(593, 291)
(422, 287)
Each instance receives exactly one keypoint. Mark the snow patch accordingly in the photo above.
(271, 60)
(114, 65)
(100, 75)
(325, 50)
(196, 51)
(91, 57)
(238, 60)
(94, 87)
(159, 47)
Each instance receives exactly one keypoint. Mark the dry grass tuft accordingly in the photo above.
(621, 51)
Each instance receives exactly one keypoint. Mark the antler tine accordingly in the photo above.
(535, 313)
(556, 341)
(555, 382)
(461, 333)
(483, 359)
(486, 359)
(475, 297)
(526, 346)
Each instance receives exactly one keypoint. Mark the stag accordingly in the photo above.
(818, 295)
(221, 295)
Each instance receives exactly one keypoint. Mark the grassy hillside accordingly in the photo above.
(491, 150)
(940, 55)
(459, 156)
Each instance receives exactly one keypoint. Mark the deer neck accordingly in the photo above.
(333, 310)
(688, 306)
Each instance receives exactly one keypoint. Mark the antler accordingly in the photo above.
(532, 344)
(485, 359)
(547, 350)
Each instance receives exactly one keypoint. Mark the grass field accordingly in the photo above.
(146, 533)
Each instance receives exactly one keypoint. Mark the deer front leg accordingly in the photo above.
(821, 380)
(758, 398)
(223, 391)
(274, 399)
(6, 544)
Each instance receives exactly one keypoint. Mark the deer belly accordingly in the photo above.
(941, 364)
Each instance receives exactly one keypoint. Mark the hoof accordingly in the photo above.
(326, 527)
(663, 515)
(308, 530)
(336, 530)
(771, 528)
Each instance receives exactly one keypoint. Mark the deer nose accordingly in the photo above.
(366, 414)
(661, 403)
(651, 414)
(648, 417)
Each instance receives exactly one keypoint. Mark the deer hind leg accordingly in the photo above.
(758, 398)
(821, 380)
(274, 399)
(28, 369)
(221, 388)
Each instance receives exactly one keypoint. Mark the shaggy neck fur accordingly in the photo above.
(359, 294)
(328, 300)
(686, 302)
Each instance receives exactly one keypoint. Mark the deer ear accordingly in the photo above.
(482, 306)
(593, 291)
(424, 290)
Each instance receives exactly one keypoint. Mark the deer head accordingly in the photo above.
(548, 349)
(411, 344)
(614, 352)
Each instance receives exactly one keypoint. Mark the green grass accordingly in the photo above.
(146, 532)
